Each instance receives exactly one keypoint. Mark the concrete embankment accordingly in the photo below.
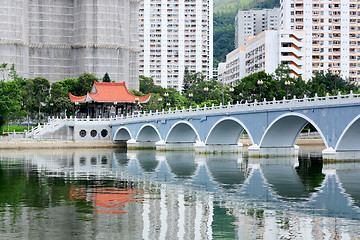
(59, 144)
(300, 142)
(56, 144)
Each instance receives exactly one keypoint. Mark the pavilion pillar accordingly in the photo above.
(102, 114)
(97, 110)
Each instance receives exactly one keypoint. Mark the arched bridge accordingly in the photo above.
(270, 125)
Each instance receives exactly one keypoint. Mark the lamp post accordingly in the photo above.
(136, 103)
(337, 74)
(223, 90)
(76, 108)
(116, 108)
(206, 90)
(287, 85)
(260, 84)
(51, 108)
(160, 101)
(231, 93)
(168, 105)
(191, 95)
(166, 95)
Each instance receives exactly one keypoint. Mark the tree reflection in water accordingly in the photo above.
(154, 195)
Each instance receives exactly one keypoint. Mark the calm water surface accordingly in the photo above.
(111, 194)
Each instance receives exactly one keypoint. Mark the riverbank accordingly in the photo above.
(55, 144)
(66, 144)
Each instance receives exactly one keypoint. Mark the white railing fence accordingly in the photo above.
(54, 124)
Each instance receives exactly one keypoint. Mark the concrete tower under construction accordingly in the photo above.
(57, 39)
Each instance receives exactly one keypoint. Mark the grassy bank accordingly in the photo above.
(12, 128)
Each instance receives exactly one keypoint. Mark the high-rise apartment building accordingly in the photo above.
(320, 36)
(175, 35)
(264, 52)
(253, 22)
(332, 34)
(61, 39)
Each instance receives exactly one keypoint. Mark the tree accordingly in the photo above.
(84, 84)
(106, 78)
(13, 74)
(38, 94)
(10, 104)
(3, 68)
(282, 72)
(188, 80)
(323, 83)
(249, 90)
(59, 101)
(213, 95)
(69, 85)
(147, 86)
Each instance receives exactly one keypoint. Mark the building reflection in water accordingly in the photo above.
(162, 195)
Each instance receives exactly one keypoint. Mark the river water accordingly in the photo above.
(114, 194)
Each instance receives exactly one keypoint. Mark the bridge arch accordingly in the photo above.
(122, 134)
(226, 131)
(284, 130)
(182, 132)
(350, 137)
(148, 133)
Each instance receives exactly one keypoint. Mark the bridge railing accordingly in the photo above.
(55, 123)
(249, 106)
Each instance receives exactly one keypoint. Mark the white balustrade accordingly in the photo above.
(56, 123)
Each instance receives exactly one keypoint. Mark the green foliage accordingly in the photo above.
(187, 80)
(137, 93)
(36, 95)
(152, 104)
(224, 35)
(248, 89)
(147, 86)
(59, 100)
(106, 78)
(32, 97)
(190, 79)
(84, 84)
(224, 21)
(10, 96)
(323, 83)
(273, 86)
(13, 127)
(3, 69)
(69, 85)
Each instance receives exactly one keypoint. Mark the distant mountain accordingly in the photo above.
(235, 5)
(224, 21)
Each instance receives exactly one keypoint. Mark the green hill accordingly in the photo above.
(235, 5)
(224, 20)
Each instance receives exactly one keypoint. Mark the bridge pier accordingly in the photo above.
(223, 148)
(200, 147)
(160, 145)
(331, 154)
(132, 144)
(256, 151)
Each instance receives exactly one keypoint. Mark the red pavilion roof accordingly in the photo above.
(109, 92)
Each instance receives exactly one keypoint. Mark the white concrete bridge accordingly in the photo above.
(272, 126)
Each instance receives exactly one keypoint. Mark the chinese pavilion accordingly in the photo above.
(105, 96)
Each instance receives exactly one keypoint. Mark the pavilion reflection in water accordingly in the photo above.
(265, 197)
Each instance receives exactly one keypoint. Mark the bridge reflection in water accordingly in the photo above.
(162, 195)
